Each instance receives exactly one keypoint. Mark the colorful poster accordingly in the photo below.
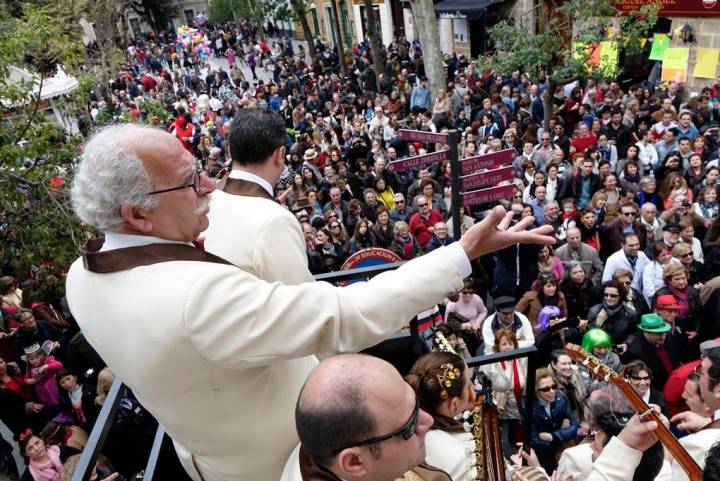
(660, 43)
(706, 62)
(676, 8)
(675, 64)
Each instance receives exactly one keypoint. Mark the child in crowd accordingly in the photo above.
(40, 372)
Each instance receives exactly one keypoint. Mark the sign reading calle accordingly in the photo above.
(484, 196)
(418, 161)
(422, 136)
(469, 165)
(490, 177)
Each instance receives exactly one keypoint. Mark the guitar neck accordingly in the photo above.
(663, 433)
(596, 368)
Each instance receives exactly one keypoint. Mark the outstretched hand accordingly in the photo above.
(495, 232)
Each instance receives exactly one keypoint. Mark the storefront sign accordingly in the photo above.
(677, 8)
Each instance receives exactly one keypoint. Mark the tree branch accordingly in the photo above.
(34, 112)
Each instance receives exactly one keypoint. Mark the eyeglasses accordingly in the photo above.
(422, 205)
(628, 213)
(335, 226)
(640, 378)
(406, 431)
(332, 216)
(468, 293)
(194, 183)
(611, 295)
(687, 254)
(548, 388)
(519, 196)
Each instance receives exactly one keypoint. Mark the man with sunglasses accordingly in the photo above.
(215, 353)
(358, 420)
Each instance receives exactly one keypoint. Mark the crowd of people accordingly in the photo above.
(624, 176)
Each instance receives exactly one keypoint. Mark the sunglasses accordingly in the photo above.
(628, 213)
(548, 388)
(640, 378)
(406, 431)
(611, 296)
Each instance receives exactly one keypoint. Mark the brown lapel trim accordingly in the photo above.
(245, 188)
(130, 257)
(310, 471)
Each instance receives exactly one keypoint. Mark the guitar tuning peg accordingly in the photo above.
(607, 377)
(596, 369)
(586, 362)
(467, 427)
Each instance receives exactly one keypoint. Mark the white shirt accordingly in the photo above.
(249, 176)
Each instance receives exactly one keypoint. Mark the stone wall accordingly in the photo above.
(707, 34)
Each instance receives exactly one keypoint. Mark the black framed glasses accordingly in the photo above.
(194, 183)
(406, 431)
(641, 378)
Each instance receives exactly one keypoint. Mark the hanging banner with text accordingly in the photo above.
(422, 136)
(673, 8)
(418, 161)
(490, 177)
(469, 165)
(483, 196)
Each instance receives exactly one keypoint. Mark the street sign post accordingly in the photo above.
(487, 161)
(483, 179)
(483, 196)
(418, 161)
(422, 136)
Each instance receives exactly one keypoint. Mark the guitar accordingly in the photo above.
(601, 371)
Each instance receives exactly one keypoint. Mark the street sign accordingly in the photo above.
(418, 161)
(490, 177)
(469, 165)
(422, 136)
(484, 196)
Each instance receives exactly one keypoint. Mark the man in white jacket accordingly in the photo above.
(214, 353)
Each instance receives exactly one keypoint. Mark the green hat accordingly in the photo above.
(653, 323)
(596, 337)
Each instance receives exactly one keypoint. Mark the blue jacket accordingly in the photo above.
(542, 423)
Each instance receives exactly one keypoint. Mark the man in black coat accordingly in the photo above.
(656, 348)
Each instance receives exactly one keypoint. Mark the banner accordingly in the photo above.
(675, 64)
(660, 43)
(706, 62)
(677, 8)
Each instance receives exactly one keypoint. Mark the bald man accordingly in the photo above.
(585, 255)
(358, 420)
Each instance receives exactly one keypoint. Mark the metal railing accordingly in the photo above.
(105, 420)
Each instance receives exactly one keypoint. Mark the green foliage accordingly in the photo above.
(557, 49)
(38, 233)
(157, 13)
(252, 10)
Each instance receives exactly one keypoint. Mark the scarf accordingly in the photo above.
(610, 311)
(683, 299)
(633, 179)
(517, 384)
(407, 246)
(49, 471)
(709, 210)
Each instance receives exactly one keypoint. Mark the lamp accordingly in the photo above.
(687, 33)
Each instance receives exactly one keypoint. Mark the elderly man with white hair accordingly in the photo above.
(586, 256)
(214, 353)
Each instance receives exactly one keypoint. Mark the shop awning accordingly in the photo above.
(471, 9)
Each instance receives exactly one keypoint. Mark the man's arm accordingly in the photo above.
(258, 321)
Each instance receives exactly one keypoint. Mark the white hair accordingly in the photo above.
(109, 175)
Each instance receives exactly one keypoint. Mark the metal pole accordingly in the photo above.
(529, 401)
(455, 183)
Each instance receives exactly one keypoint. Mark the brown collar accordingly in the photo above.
(310, 471)
(130, 257)
(245, 188)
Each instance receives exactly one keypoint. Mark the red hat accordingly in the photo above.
(667, 302)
